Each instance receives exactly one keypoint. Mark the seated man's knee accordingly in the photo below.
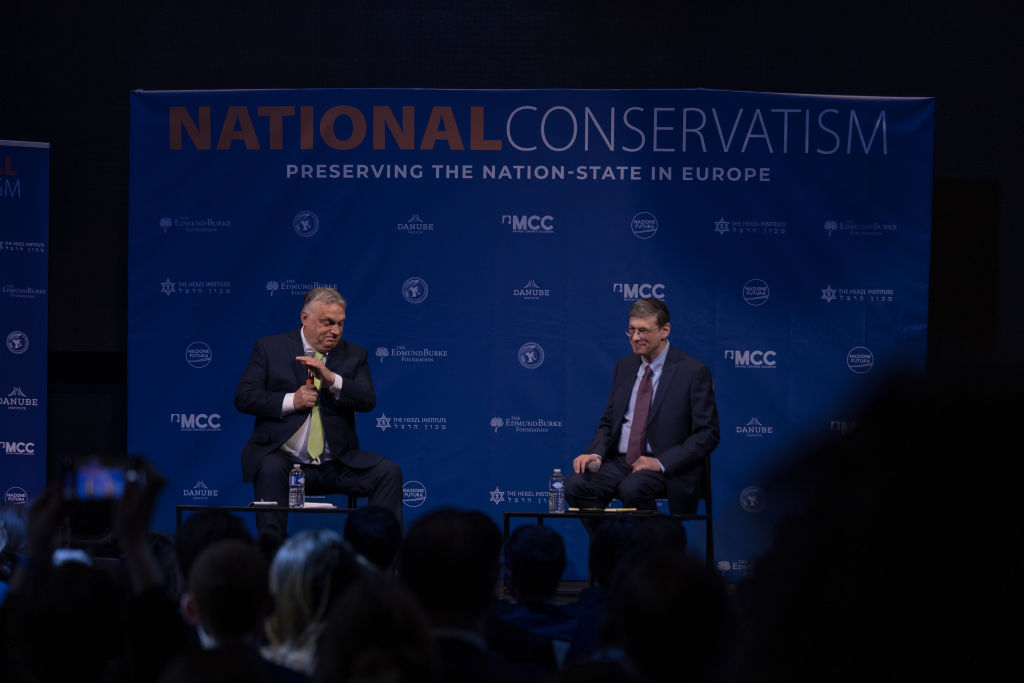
(575, 485)
(274, 465)
(637, 492)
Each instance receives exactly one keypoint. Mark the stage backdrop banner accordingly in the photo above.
(24, 247)
(490, 244)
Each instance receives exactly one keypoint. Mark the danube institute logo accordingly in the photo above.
(530, 355)
(415, 226)
(17, 400)
(531, 291)
(644, 225)
(415, 290)
(200, 490)
(17, 342)
(305, 224)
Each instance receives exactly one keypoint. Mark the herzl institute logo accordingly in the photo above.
(870, 295)
(420, 424)
(756, 226)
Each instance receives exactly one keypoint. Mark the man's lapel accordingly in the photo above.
(295, 348)
(668, 375)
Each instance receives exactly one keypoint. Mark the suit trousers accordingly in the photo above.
(381, 483)
(615, 479)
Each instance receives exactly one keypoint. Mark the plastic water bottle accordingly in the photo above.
(556, 492)
(296, 487)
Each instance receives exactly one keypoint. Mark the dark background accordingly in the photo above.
(66, 70)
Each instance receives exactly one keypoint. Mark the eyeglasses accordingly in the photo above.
(642, 331)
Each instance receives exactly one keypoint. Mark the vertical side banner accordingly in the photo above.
(24, 243)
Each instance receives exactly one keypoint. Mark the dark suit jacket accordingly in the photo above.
(273, 372)
(682, 426)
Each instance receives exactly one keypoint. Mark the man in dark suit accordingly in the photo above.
(304, 387)
(660, 423)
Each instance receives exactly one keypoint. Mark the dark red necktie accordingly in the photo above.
(637, 444)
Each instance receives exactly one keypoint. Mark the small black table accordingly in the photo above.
(259, 508)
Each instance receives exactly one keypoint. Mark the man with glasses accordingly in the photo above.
(660, 423)
(304, 388)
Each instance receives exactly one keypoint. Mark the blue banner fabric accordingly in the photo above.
(490, 244)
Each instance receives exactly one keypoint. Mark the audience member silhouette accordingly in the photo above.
(671, 616)
(310, 570)
(607, 546)
(375, 533)
(534, 562)
(377, 633)
(450, 562)
(227, 599)
(902, 558)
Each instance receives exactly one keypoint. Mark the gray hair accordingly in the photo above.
(327, 295)
(645, 308)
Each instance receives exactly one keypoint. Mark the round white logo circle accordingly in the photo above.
(198, 354)
(755, 292)
(414, 494)
(17, 342)
(752, 499)
(530, 355)
(415, 290)
(305, 223)
(16, 495)
(860, 360)
(644, 225)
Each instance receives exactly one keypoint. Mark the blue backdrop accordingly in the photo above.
(24, 247)
(490, 244)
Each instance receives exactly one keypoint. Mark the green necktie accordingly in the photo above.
(315, 445)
